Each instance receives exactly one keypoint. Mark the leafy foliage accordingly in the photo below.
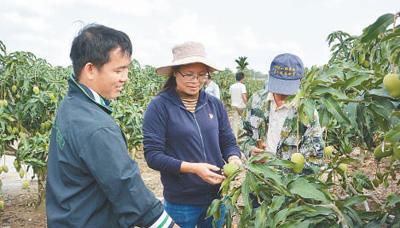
(357, 113)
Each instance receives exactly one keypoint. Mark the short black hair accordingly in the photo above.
(239, 76)
(94, 44)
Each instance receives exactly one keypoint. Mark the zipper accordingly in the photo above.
(201, 136)
(198, 127)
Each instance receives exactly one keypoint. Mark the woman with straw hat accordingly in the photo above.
(187, 137)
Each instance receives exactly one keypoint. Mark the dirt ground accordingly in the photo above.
(369, 166)
(20, 211)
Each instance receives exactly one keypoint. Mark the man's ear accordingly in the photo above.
(90, 70)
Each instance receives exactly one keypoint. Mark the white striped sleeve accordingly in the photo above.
(164, 221)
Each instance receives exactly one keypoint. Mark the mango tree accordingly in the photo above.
(359, 112)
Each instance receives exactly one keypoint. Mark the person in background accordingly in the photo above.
(187, 137)
(271, 119)
(211, 87)
(238, 101)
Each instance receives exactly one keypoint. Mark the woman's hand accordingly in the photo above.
(207, 172)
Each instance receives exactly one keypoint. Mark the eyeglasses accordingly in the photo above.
(200, 76)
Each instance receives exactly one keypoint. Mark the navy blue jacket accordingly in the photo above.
(91, 180)
(172, 134)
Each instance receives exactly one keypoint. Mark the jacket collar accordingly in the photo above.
(173, 96)
(270, 98)
(82, 91)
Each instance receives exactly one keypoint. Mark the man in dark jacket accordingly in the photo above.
(92, 181)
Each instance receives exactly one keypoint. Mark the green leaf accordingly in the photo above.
(296, 224)
(356, 80)
(381, 114)
(335, 71)
(379, 26)
(393, 135)
(253, 183)
(347, 160)
(281, 163)
(260, 220)
(283, 215)
(391, 35)
(279, 217)
(392, 200)
(318, 210)
(225, 185)
(353, 214)
(276, 204)
(333, 107)
(348, 202)
(329, 90)
(324, 117)
(381, 92)
(351, 111)
(364, 126)
(213, 209)
(245, 194)
(259, 157)
(306, 110)
(266, 171)
(306, 190)
(373, 224)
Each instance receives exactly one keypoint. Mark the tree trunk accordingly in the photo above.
(41, 203)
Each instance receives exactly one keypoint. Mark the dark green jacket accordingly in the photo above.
(91, 180)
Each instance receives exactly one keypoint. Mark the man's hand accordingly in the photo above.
(235, 160)
(260, 144)
(259, 149)
(256, 151)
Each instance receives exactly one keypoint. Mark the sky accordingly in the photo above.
(257, 29)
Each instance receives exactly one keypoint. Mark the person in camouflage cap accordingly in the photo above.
(271, 122)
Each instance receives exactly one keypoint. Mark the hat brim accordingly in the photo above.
(285, 87)
(167, 69)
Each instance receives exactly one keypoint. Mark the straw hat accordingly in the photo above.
(187, 53)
